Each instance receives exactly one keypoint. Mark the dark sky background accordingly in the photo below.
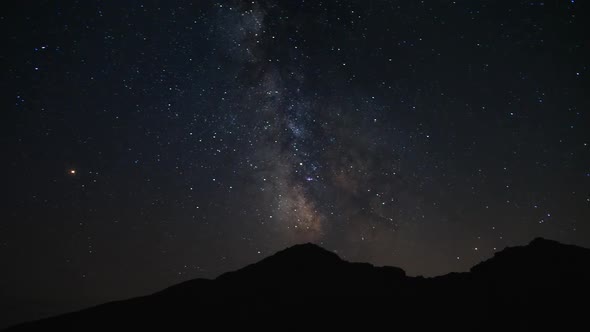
(145, 143)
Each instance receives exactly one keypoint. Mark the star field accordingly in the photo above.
(148, 142)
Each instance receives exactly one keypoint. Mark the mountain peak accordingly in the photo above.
(304, 253)
(540, 241)
(534, 258)
(300, 259)
(307, 249)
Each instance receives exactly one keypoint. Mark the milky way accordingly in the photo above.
(318, 158)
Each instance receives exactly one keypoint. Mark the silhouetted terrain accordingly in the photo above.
(541, 286)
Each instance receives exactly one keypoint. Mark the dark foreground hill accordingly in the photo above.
(541, 286)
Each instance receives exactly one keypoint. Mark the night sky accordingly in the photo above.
(145, 143)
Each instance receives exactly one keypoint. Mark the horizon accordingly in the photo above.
(544, 259)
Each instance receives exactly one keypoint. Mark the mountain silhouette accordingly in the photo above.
(541, 286)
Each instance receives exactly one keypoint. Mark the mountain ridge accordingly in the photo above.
(310, 278)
